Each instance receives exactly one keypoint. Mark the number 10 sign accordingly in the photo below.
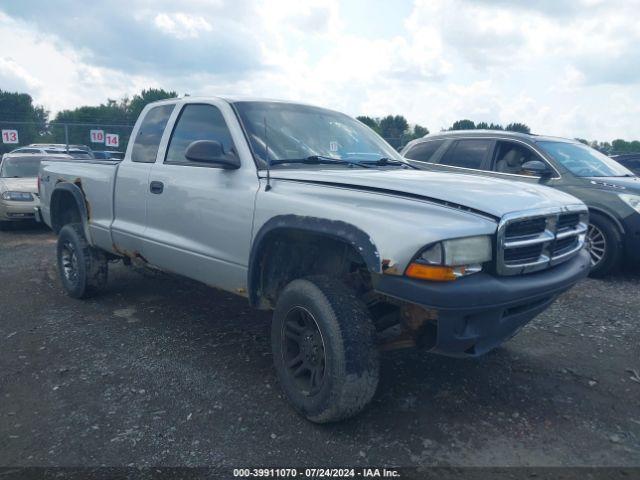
(97, 136)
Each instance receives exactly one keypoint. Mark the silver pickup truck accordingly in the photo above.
(307, 212)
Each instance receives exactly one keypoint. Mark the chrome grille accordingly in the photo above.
(533, 241)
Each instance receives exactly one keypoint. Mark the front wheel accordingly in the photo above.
(324, 349)
(604, 244)
(83, 269)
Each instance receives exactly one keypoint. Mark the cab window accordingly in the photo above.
(147, 142)
(198, 122)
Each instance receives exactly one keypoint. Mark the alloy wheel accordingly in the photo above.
(69, 262)
(596, 244)
(303, 351)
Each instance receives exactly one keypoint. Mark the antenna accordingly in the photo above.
(266, 149)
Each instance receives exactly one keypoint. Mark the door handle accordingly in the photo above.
(156, 187)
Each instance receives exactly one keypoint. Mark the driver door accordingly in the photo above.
(199, 216)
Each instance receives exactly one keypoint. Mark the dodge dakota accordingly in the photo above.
(307, 212)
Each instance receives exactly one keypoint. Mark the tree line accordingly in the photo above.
(19, 107)
(119, 115)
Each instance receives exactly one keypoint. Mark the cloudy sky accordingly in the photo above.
(569, 68)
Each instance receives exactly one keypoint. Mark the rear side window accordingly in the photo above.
(424, 151)
(145, 147)
(467, 154)
(197, 122)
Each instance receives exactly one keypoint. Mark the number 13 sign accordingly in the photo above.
(112, 140)
(9, 136)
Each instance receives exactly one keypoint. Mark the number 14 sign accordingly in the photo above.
(112, 140)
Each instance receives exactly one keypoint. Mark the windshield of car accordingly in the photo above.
(300, 132)
(20, 167)
(584, 161)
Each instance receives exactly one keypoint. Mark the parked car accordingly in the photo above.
(629, 160)
(76, 151)
(309, 213)
(107, 155)
(611, 191)
(18, 187)
(34, 151)
(61, 145)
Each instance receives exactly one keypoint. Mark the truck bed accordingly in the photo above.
(96, 180)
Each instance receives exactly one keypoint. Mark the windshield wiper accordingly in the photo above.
(317, 160)
(384, 161)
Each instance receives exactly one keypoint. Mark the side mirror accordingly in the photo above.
(537, 168)
(210, 151)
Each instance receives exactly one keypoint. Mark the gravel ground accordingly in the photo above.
(162, 371)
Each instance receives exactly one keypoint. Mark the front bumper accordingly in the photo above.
(478, 313)
(15, 211)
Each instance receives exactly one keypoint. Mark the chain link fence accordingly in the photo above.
(97, 136)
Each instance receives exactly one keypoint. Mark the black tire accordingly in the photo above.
(4, 226)
(609, 249)
(348, 380)
(83, 269)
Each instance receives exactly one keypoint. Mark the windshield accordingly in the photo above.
(584, 161)
(80, 154)
(20, 167)
(295, 132)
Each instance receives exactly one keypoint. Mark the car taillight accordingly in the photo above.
(39, 194)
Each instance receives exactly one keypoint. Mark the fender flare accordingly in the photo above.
(80, 200)
(609, 216)
(335, 229)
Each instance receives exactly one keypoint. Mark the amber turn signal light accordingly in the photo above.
(436, 273)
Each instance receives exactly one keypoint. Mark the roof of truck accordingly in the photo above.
(235, 99)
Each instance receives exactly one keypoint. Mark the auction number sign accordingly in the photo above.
(97, 136)
(112, 140)
(10, 136)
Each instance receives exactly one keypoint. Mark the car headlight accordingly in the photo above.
(451, 259)
(17, 196)
(632, 200)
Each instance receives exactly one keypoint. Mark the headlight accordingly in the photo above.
(451, 259)
(17, 196)
(632, 200)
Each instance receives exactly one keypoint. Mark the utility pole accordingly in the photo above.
(66, 136)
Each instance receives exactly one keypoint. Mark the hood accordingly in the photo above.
(488, 195)
(619, 184)
(29, 184)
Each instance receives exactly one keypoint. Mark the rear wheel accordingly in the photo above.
(83, 269)
(324, 349)
(4, 225)
(604, 244)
